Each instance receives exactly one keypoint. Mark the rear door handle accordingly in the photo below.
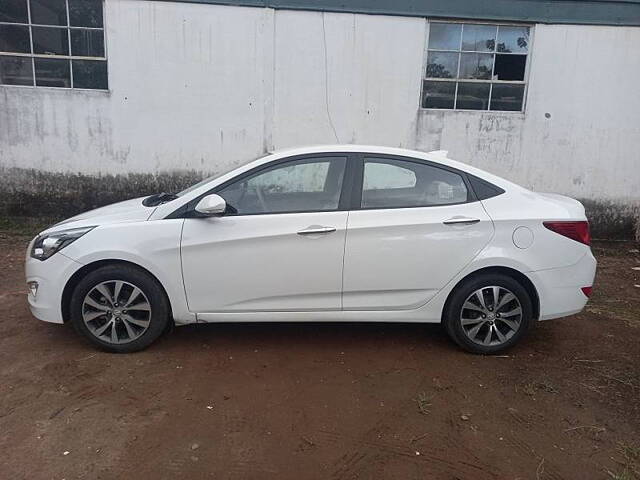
(461, 221)
(314, 229)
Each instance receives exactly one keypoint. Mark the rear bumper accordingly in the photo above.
(559, 289)
(51, 276)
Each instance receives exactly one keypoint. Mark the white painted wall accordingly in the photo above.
(207, 87)
(187, 91)
(586, 78)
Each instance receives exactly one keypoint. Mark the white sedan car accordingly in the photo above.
(331, 233)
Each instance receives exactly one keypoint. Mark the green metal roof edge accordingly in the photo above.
(589, 12)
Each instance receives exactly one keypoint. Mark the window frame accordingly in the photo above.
(356, 196)
(344, 200)
(70, 58)
(457, 81)
(352, 183)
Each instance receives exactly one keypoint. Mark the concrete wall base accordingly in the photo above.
(34, 193)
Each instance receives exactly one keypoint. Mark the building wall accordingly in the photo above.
(198, 89)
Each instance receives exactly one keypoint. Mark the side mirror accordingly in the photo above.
(211, 205)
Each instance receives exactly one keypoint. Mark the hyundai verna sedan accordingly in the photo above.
(331, 233)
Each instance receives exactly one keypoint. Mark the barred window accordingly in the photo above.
(53, 43)
(472, 66)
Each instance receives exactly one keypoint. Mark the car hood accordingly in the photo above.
(127, 211)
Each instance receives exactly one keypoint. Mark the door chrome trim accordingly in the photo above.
(316, 230)
(461, 221)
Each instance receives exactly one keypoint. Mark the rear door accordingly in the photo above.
(413, 227)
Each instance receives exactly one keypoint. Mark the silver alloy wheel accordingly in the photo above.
(116, 311)
(491, 315)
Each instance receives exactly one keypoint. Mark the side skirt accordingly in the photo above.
(414, 316)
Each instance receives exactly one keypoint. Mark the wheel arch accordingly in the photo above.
(91, 267)
(518, 276)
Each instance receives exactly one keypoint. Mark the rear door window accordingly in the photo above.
(394, 183)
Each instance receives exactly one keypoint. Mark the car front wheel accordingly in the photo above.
(488, 313)
(119, 308)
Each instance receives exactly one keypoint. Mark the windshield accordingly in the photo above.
(205, 181)
(197, 185)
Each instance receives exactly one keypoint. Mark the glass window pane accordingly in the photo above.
(438, 94)
(14, 38)
(509, 67)
(300, 178)
(513, 39)
(50, 41)
(476, 65)
(87, 43)
(442, 65)
(444, 36)
(13, 11)
(85, 13)
(392, 183)
(473, 96)
(479, 38)
(301, 186)
(16, 70)
(90, 74)
(52, 72)
(379, 176)
(49, 12)
(507, 97)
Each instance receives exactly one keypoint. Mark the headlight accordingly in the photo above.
(46, 245)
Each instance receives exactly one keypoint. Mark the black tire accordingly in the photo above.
(157, 320)
(452, 318)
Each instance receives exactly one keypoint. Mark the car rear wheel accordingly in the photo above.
(119, 308)
(488, 313)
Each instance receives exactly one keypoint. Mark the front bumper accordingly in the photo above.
(51, 276)
(559, 289)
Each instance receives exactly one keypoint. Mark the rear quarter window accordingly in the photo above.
(484, 189)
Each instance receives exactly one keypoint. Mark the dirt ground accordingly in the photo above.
(325, 401)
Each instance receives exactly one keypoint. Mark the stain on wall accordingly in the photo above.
(613, 220)
(33, 193)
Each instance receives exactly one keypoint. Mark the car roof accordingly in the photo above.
(436, 156)
(285, 152)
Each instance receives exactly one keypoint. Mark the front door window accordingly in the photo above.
(308, 185)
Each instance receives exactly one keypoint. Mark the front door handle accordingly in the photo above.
(461, 221)
(315, 229)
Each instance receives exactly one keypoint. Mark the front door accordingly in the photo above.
(279, 247)
(416, 227)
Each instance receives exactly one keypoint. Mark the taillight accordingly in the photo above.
(587, 291)
(578, 231)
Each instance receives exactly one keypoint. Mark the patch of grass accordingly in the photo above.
(532, 388)
(624, 475)
(547, 386)
(424, 403)
(529, 388)
(630, 453)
